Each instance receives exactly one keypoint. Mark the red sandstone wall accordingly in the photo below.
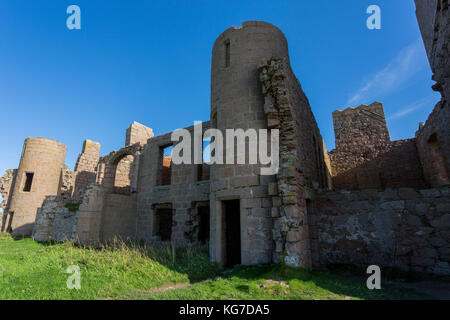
(433, 143)
(45, 158)
(166, 175)
(86, 166)
(302, 161)
(122, 179)
(181, 194)
(138, 133)
(366, 158)
(398, 166)
(119, 217)
(433, 139)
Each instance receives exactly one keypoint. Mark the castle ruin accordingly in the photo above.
(369, 201)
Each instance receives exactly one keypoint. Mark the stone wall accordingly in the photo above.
(361, 135)
(54, 222)
(6, 186)
(433, 144)
(237, 102)
(122, 180)
(181, 193)
(433, 138)
(434, 22)
(119, 217)
(118, 171)
(360, 131)
(41, 166)
(90, 215)
(86, 166)
(80, 221)
(397, 166)
(366, 158)
(302, 165)
(138, 133)
(400, 228)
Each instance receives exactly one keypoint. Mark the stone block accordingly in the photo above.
(275, 212)
(273, 189)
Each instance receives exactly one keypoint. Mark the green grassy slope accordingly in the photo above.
(31, 270)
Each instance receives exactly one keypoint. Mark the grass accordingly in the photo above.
(31, 270)
(269, 282)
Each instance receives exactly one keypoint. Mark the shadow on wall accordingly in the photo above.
(24, 231)
(398, 167)
(83, 179)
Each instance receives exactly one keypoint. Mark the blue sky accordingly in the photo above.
(149, 61)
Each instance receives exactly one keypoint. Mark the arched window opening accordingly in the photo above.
(123, 175)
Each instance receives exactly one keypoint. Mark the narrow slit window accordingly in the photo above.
(28, 181)
(227, 54)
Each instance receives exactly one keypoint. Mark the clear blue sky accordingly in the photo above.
(149, 61)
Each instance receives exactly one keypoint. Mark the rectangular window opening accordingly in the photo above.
(204, 168)
(227, 53)
(165, 167)
(28, 181)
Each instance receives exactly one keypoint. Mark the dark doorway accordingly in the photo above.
(232, 233)
(203, 232)
(165, 223)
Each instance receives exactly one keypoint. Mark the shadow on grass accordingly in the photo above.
(333, 283)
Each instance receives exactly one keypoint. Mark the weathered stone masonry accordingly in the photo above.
(287, 109)
(6, 185)
(365, 157)
(433, 137)
(369, 201)
(404, 228)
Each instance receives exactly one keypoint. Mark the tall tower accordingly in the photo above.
(241, 224)
(38, 176)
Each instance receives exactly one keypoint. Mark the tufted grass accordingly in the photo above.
(32, 270)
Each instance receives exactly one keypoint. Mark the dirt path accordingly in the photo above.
(163, 288)
(167, 287)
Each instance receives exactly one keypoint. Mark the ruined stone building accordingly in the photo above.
(371, 200)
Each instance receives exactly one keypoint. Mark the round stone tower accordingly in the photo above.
(38, 176)
(237, 102)
(236, 94)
